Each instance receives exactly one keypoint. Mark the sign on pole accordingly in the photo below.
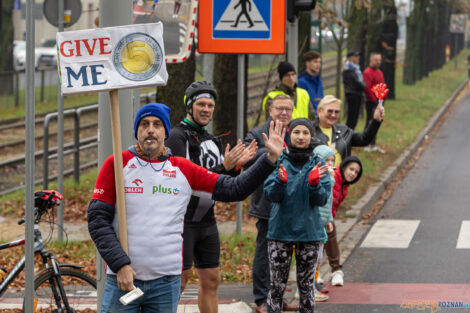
(458, 22)
(179, 20)
(241, 26)
(71, 13)
(110, 58)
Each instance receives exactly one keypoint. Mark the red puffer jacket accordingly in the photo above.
(340, 191)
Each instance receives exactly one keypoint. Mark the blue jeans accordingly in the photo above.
(160, 296)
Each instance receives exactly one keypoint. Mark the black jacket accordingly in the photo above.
(259, 206)
(206, 150)
(351, 82)
(344, 137)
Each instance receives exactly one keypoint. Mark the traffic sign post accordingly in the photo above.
(241, 26)
(457, 25)
(179, 21)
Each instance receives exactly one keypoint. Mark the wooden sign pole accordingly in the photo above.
(118, 174)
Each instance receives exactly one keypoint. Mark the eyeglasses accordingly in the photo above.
(331, 111)
(280, 109)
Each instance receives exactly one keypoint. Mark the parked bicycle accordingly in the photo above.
(58, 287)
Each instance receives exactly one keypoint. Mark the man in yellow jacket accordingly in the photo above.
(288, 85)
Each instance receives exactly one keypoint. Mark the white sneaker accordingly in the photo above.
(367, 149)
(320, 297)
(337, 278)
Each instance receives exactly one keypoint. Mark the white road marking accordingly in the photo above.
(463, 242)
(391, 234)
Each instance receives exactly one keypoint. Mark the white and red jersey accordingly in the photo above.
(157, 195)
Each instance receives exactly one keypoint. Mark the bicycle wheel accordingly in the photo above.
(79, 287)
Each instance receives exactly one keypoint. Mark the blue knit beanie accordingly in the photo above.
(323, 151)
(155, 109)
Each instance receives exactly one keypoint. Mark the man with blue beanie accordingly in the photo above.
(158, 188)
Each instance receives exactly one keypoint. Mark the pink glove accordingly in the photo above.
(314, 177)
(282, 174)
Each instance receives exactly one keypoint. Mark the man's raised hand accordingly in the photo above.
(275, 142)
(248, 154)
(231, 157)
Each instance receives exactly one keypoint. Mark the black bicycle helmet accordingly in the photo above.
(196, 88)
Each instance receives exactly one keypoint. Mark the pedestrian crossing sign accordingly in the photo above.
(241, 26)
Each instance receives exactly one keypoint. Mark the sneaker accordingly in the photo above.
(320, 297)
(367, 149)
(337, 278)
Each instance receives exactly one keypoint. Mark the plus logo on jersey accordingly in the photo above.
(133, 189)
(165, 190)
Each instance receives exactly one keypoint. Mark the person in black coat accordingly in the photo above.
(354, 86)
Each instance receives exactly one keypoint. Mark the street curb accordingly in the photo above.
(355, 233)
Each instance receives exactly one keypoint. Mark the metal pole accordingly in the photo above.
(45, 155)
(76, 147)
(60, 138)
(240, 106)
(292, 43)
(17, 88)
(29, 159)
(208, 61)
(41, 94)
(455, 49)
(118, 12)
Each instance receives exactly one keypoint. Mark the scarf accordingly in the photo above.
(356, 69)
(299, 156)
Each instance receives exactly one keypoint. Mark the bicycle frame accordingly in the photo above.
(47, 259)
(18, 267)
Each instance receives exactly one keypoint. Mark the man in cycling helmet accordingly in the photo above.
(190, 140)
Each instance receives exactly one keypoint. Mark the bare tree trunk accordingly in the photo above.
(6, 45)
(225, 81)
(389, 45)
(180, 76)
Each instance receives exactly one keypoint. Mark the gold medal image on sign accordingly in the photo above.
(138, 57)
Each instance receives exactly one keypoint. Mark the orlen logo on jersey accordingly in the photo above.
(137, 189)
(171, 174)
(137, 182)
(166, 190)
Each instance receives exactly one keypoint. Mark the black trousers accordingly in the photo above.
(370, 108)
(354, 106)
(261, 264)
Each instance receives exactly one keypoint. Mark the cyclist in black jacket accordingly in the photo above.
(189, 139)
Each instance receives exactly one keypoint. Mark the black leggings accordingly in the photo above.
(280, 256)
